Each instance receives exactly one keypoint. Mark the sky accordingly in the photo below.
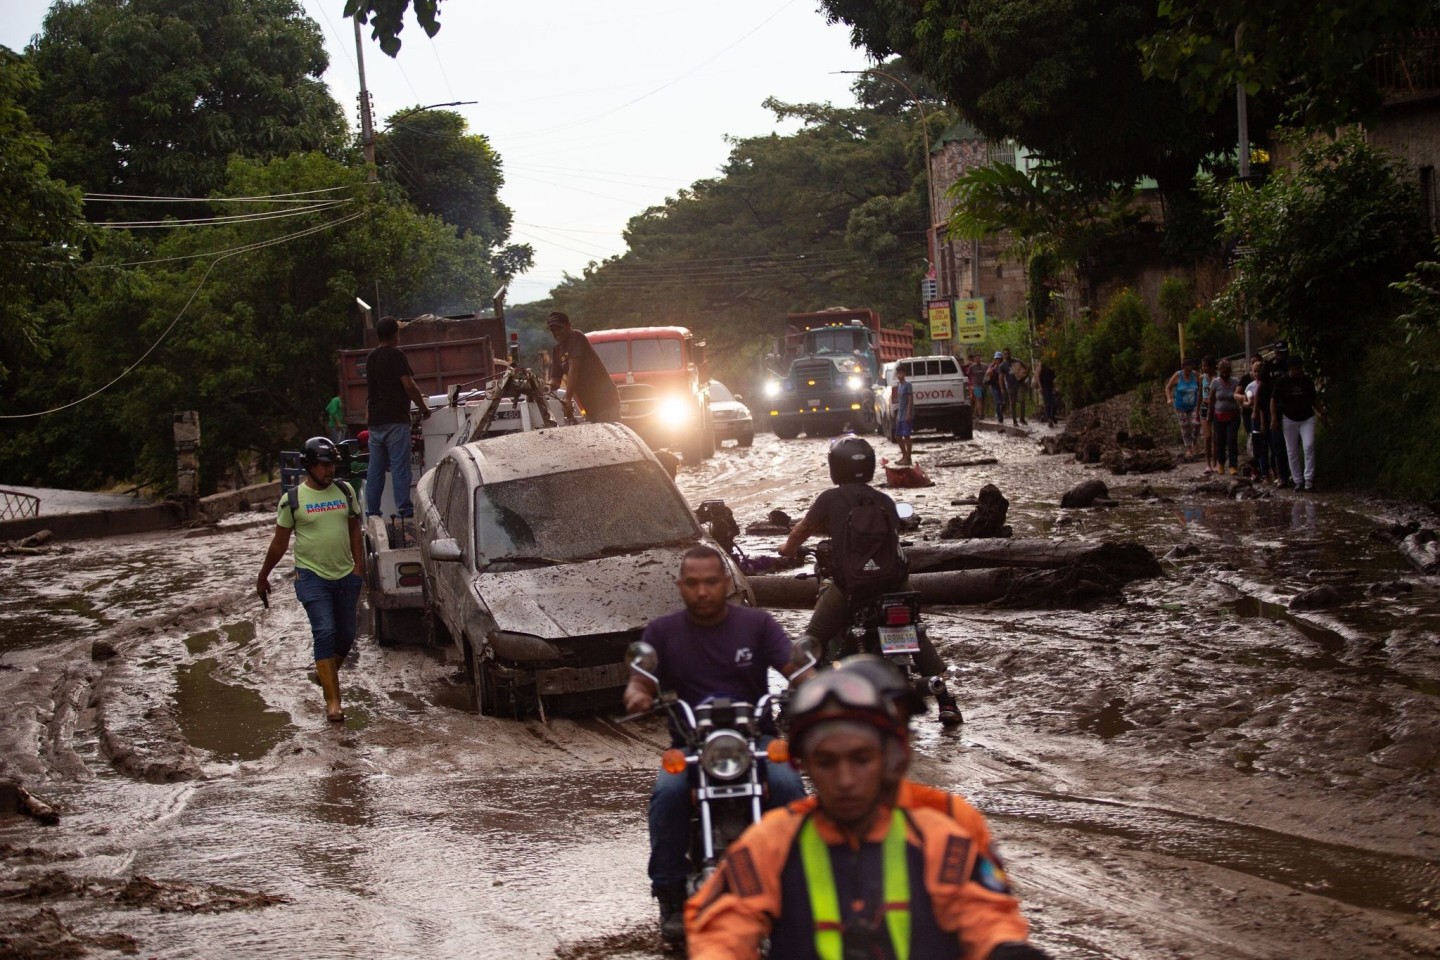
(598, 110)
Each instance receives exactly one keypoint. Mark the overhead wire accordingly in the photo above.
(214, 221)
(137, 198)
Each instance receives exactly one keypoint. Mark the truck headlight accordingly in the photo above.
(855, 383)
(674, 411)
(726, 755)
(772, 389)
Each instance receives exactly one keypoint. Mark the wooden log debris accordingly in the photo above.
(1422, 549)
(1078, 586)
(1127, 561)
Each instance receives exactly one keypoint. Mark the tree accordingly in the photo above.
(1315, 58)
(1063, 77)
(153, 97)
(41, 227)
(454, 176)
(387, 19)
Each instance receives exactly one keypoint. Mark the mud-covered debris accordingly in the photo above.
(636, 941)
(1224, 486)
(1123, 460)
(1052, 445)
(1084, 494)
(102, 650)
(780, 518)
(1422, 549)
(1080, 587)
(986, 520)
(38, 542)
(178, 897)
(44, 936)
(14, 798)
(1318, 598)
(1390, 588)
(977, 462)
(1182, 550)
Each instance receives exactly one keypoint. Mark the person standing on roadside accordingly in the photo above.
(976, 372)
(1276, 370)
(335, 419)
(1257, 419)
(1225, 413)
(390, 386)
(1207, 432)
(995, 380)
(1009, 367)
(1050, 399)
(1294, 406)
(577, 367)
(1183, 392)
(903, 399)
(322, 513)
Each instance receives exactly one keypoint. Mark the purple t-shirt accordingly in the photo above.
(729, 659)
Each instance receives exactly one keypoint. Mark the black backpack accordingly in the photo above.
(868, 560)
(293, 498)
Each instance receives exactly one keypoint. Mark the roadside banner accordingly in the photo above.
(941, 316)
(970, 321)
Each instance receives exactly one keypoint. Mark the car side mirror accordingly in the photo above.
(446, 550)
(739, 398)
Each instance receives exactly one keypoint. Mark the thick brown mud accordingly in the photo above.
(1199, 770)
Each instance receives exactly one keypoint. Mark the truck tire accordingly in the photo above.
(710, 443)
(964, 424)
(747, 439)
(786, 431)
(692, 450)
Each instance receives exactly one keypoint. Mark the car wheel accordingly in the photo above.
(965, 424)
(747, 438)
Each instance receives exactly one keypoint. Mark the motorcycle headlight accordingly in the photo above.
(772, 389)
(673, 412)
(854, 383)
(725, 756)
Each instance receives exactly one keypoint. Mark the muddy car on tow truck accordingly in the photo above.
(545, 554)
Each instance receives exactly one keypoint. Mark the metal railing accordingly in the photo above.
(15, 505)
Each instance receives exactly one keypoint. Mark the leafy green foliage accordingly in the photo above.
(1320, 247)
(41, 229)
(1314, 58)
(152, 97)
(387, 19)
(1061, 76)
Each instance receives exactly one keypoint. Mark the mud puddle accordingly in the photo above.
(1359, 878)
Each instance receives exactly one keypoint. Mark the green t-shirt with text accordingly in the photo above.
(322, 533)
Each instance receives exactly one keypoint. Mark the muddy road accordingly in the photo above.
(1196, 771)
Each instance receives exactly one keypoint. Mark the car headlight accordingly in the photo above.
(674, 411)
(772, 389)
(725, 756)
(854, 383)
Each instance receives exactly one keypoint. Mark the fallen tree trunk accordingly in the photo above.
(1127, 561)
(1077, 586)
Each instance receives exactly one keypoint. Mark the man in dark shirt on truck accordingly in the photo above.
(585, 378)
(391, 386)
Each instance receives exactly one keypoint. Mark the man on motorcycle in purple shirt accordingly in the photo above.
(710, 649)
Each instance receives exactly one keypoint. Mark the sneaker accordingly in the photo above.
(949, 710)
(672, 914)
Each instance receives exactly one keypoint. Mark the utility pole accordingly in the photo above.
(367, 122)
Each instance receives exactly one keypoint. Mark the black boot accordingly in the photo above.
(672, 913)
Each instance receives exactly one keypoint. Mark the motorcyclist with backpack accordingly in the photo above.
(323, 513)
(864, 530)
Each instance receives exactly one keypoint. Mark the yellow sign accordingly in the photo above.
(970, 321)
(938, 312)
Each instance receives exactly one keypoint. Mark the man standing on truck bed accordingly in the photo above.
(576, 365)
(390, 386)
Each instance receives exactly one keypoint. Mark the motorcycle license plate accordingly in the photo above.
(899, 639)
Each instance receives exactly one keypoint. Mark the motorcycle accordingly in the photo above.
(887, 625)
(722, 757)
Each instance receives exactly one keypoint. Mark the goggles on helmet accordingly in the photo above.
(841, 695)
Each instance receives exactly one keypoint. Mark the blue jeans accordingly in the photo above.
(670, 808)
(331, 606)
(389, 450)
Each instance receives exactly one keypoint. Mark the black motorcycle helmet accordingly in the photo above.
(319, 450)
(852, 460)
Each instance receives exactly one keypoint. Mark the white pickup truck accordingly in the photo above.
(941, 392)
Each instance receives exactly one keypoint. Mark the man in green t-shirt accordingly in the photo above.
(335, 419)
(323, 514)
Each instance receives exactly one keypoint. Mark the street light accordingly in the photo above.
(925, 130)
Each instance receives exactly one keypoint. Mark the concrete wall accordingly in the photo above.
(160, 516)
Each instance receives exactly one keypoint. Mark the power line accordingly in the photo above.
(213, 221)
(137, 198)
(229, 250)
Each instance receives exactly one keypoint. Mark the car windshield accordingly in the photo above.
(615, 354)
(719, 393)
(654, 354)
(580, 514)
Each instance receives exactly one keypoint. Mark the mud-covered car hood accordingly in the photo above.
(608, 595)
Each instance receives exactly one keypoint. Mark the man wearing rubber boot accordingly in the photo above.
(849, 873)
(325, 517)
(709, 649)
(852, 466)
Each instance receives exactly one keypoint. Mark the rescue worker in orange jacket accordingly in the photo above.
(849, 874)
